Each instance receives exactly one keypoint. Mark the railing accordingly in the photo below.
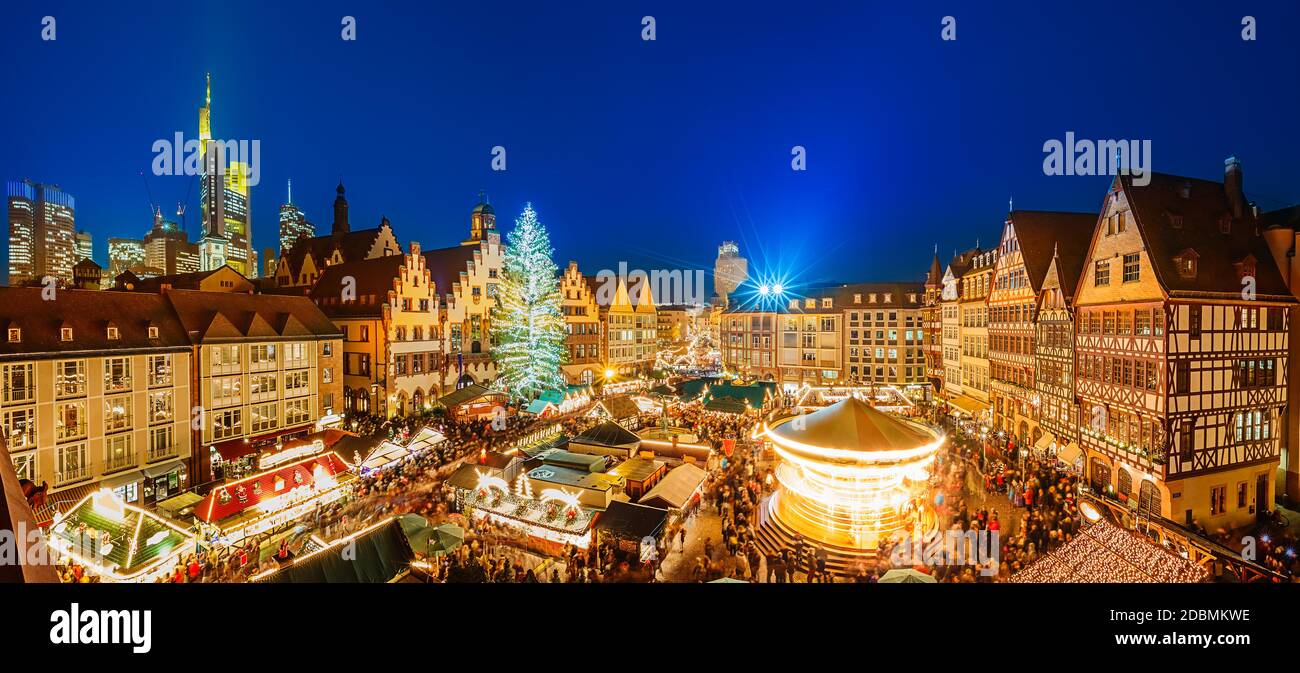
(18, 394)
(119, 461)
(71, 474)
(159, 454)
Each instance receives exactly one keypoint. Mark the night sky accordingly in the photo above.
(652, 152)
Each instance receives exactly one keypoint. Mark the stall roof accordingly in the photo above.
(261, 486)
(608, 433)
(726, 405)
(466, 395)
(620, 407)
(630, 521)
(565, 476)
(577, 461)
(376, 555)
(637, 469)
(676, 488)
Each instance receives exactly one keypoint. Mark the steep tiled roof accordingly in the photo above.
(373, 279)
(1039, 232)
(843, 296)
(222, 316)
(88, 313)
(354, 245)
(1200, 214)
(446, 264)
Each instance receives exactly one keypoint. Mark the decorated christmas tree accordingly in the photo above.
(529, 322)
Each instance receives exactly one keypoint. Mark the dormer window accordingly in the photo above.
(1185, 190)
(15, 335)
(65, 334)
(810, 303)
(112, 333)
(911, 297)
(857, 299)
(1175, 220)
(1246, 267)
(794, 303)
(826, 302)
(872, 297)
(889, 298)
(1185, 263)
(153, 332)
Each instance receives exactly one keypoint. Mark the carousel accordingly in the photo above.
(849, 477)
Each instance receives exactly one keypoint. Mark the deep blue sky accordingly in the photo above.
(652, 152)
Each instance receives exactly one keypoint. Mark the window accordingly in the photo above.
(112, 333)
(227, 424)
(65, 334)
(261, 357)
(118, 452)
(1251, 426)
(295, 355)
(15, 335)
(153, 332)
(327, 348)
(297, 411)
(160, 370)
(1241, 494)
(262, 386)
(226, 391)
(296, 383)
(1218, 500)
(117, 413)
(1143, 318)
(224, 359)
(264, 416)
(1182, 377)
(1194, 321)
(161, 406)
(1132, 267)
(162, 442)
(70, 423)
(19, 428)
(70, 378)
(25, 466)
(1101, 273)
(19, 386)
(117, 374)
(70, 463)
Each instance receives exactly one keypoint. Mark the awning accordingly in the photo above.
(967, 405)
(235, 449)
(1069, 454)
(121, 479)
(160, 469)
(1045, 441)
(177, 505)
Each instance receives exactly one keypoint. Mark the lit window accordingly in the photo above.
(112, 333)
(65, 334)
(15, 335)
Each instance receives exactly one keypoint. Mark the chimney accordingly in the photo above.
(1232, 187)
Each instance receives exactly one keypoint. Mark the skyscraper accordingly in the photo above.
(729, 271)
(293, 224)
(42, 232)
(168, 249)
(85, 246)
(225, 197)
(127, 254)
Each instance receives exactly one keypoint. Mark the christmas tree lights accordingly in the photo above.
(529, 321)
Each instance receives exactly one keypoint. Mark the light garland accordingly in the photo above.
(528, 318)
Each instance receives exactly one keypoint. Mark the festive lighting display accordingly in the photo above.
(528, 317)
(1105, 553)
(848, 473)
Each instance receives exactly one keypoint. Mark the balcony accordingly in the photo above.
(18, 395)
(157, 454)
(119, 461)
(71, 474)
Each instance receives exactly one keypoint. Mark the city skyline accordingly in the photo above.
(633, 137)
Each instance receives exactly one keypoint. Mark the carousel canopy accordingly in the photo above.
(853, 425)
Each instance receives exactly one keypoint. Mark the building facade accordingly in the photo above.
(96, 393)
(1182, 372)
(225, 197)
(42, 232)
(974, 285)
(293, 223)
(582, 328)
(729, 270)
(1024, 253)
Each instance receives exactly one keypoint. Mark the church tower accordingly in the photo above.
(340, 212)
(482, 221)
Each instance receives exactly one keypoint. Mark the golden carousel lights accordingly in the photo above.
(849, 474)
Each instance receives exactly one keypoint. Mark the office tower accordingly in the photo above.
(225, 197)
(42, 232)
(293, 224)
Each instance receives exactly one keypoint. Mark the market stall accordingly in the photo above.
(274, 498)
(117, 541)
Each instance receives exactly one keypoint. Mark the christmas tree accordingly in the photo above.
(528, 319)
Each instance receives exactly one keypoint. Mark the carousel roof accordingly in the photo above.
(853, 425)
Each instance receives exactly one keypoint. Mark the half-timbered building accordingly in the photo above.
(1058, 412)
(1024, 253)
(1182, 318)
